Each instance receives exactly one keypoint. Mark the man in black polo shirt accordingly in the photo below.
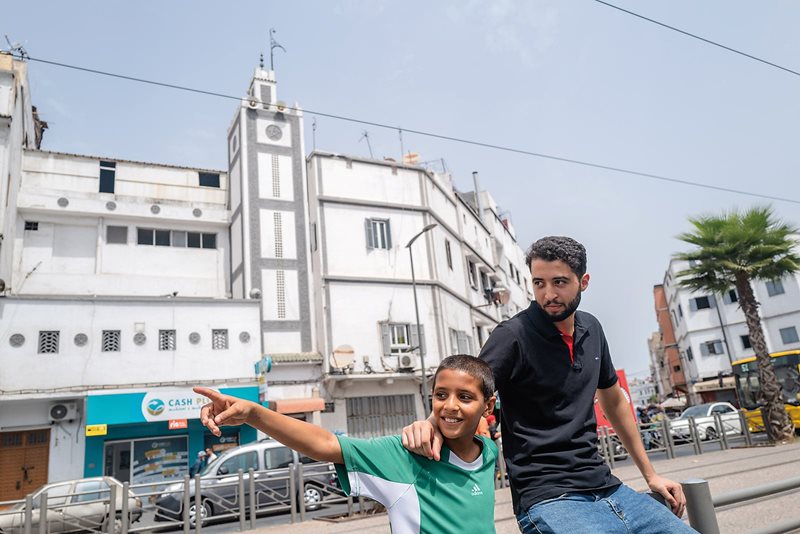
(549, 361)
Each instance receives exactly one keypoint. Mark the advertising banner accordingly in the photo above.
(160, 460)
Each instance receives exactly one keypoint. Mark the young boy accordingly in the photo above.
(454, 495)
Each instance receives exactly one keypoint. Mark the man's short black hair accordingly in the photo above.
(475, 367)
(554, 247)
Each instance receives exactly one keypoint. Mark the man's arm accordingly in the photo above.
(615, 406)
(311, 440)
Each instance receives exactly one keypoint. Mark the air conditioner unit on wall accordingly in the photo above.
(63, 411)
(406, 361)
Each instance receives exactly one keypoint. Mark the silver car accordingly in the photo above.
(73, 506)
(703, 415)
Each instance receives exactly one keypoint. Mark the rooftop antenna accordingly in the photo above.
(365, 135)
(314, 133)
(402, 149)
(273, 44)
(17, 49)
(261, 61)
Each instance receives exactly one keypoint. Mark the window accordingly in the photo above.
(48, 341)
(473, 276)
(674, 318)
(454, 341)
(789, 335)
(277, 458)
(166, 340)
(209, 179)
(163, 238)
(56, 495)
(243, 461)
(399, 340)
(219, 339)
(730, 296)
(746, 342)
(193, 240)
(448, 253)
(117, 234)
(31, 226)
(680, 311)
(144, 236)
(209, 240)
(98, 488)
(111, 340)
(108, 171)
(701, 303)
(378, 233)
(721, 408)
(689, 354)
(676, 368)
(712, 347)
(178, 239)
(775, 287)
(486, 285)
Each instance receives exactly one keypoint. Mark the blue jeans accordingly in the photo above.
(614, 510)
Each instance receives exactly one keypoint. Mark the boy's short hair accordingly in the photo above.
(475, 367)
(553, 248)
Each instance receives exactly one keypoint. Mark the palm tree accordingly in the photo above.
(732, 250)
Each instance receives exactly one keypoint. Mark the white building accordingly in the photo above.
(115, 300)
(711, 331)
(363, 213)
(642, 390)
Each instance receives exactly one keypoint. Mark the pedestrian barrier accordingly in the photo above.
(700, 505)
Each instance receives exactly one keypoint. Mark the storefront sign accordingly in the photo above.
(96, 430)
(177, 424)
(172, 404)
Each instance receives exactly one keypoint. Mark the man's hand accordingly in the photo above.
(421, 437)
(222, 410)
(671, 491)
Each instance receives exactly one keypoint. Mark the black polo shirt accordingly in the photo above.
(548, 423)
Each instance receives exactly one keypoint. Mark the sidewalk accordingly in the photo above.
(725, 471)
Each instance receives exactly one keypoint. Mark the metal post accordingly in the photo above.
(694, 436)
(501, 464)
(198, 506)
(293, 494)
(43, 513)
(601, 440)
(125, 512)
(721, 433)
(748, 439)
(669, 446)
(301, 491)
(28, 514)
(699, 506)
(253, 497)
(419, 328)
(361, 505)
(186, 504)
(241, 501)
(112, 508)
(349, 505)
(611, 446)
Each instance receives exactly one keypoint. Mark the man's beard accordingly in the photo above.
(570, 309)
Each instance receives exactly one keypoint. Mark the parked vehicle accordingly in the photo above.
(73, 506)
(703, 415)
(271, 463)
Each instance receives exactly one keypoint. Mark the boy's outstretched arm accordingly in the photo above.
(311, 440)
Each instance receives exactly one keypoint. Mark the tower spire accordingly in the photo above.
(273, 44)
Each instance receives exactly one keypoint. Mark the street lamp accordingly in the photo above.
(416, 310)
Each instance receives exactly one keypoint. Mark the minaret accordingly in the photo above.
(269, 224)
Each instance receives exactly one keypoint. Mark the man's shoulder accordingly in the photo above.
(587, 319)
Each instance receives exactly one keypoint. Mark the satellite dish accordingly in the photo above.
(281, 105)
(342, 357)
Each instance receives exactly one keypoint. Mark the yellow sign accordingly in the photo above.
(96, 430)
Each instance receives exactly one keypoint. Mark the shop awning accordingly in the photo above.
(308, 404)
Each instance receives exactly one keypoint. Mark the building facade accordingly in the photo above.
(711, 333)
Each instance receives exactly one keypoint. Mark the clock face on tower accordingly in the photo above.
(274, 132)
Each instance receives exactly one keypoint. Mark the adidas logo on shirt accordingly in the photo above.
(476, 490)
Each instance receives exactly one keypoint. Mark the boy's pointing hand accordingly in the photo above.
(222, 410)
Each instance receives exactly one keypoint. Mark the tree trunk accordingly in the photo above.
(780, 426)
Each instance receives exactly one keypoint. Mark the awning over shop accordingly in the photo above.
(728, 382)
(308, 404)
(673, 403)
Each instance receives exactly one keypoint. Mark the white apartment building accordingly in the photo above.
(362, 215)
(711, 331)
(115, 301)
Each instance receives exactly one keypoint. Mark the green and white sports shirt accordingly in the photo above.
(422, 496)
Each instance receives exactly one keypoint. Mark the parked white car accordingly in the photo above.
(73, 506)
(703, 415)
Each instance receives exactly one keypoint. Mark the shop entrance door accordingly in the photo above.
(23, 462)
(118, 460)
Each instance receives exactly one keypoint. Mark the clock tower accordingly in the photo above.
(269, 215)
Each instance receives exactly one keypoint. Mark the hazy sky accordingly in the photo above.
(568, 78)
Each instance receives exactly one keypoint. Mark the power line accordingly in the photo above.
(699, 38)
(435, 135)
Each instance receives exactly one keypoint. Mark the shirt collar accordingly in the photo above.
(546, 327)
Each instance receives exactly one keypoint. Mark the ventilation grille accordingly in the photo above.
(280, 279)
(111, 339)
(219, 339)
(48, 342)
(276, 177)
(166, 340)
(278, 234)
